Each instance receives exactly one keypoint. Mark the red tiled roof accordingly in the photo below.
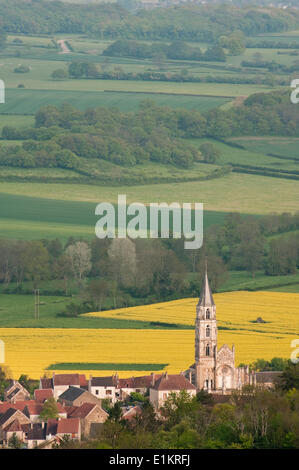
(66, 379)
(19, 405)
(82, 380)
(103, 381)
(144, 381)
(173, 382)
(61, 409)
(125, 383)
(5, 406)
(13, 427)
(83, 410)
(33, 408)
(43, 394)
(68, 426)
(70, 409)
(46, 383)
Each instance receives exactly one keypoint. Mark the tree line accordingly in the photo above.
(126, 272)
(176, 50)
(66, 137)
(85, 70)
(106, 21)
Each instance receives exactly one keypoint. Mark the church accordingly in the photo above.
(214, 369)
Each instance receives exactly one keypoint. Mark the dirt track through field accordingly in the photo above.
(64, 47)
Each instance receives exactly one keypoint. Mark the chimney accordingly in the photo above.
(190, 376)
(153, 379)
(166, 375)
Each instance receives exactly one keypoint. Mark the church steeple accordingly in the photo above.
(206, 297)
(205, 336)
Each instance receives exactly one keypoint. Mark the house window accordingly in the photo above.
(97, 392)
(207, 350)
(164, 396)
(137, 390)
(207, 384)
(208, 331)
(108, 392)
(208, 314)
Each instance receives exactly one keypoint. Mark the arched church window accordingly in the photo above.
(207, 350)
(207, 383)
(208, 331)
(208, 314)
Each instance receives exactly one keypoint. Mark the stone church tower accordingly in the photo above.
(214, 369)
(205, 338)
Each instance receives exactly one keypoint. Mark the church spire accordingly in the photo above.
(206, 297)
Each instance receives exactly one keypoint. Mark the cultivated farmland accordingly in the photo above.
(236, 314)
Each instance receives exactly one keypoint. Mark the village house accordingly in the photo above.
(88, 413)
(16, 392)
(115, 388)
(59, 383)
(13, 429)
(104, 387)
(136, 385)
(75, 396)
(70, 427)
(167, 384)
(7, 418)
(36, 436)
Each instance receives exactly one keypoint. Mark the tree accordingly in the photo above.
(97, 291)
(59, 74)
(159, 59)
(35, 259)
(49, 410)
(282, 257)
(290, 377)
(115, 413)
(123, 261)
(179, 406)
(217, 270)
(79, 256)
(14, 442)
(210, 154)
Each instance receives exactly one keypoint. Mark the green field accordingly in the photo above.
(249, 194)
(284, 146)
(28, 218)
(255, 152)
(22, 101)
(17, 311)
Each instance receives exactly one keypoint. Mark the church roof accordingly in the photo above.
(206, 297)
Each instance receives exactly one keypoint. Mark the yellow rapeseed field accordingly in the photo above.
(234, 310)
(31, 350)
